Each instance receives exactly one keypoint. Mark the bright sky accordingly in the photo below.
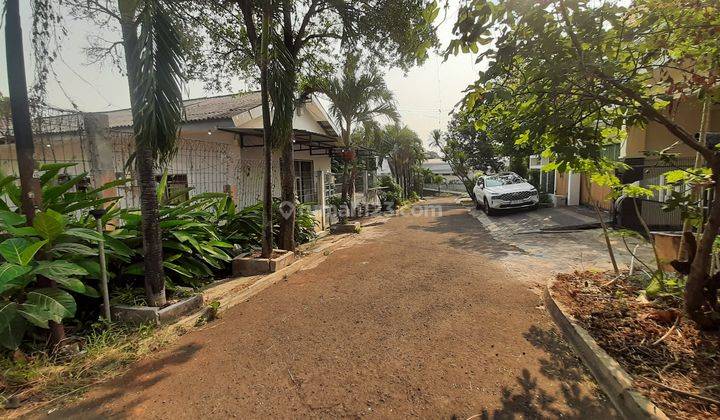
(425, 95)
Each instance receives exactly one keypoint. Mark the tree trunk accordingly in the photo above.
(145, 164)
(267, 243)
(696, 288)
(150, 227)
(31, 194)
(287, 183)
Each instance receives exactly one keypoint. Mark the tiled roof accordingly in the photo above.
(199, 109)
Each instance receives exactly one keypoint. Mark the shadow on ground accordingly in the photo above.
(138, 379)
(463, 232)
(532, 402)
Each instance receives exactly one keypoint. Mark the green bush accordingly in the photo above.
(391, 192)
(193, 249)
(198, 236)
(60, 245)
(244, 227)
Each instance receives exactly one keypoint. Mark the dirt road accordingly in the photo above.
(414, 319)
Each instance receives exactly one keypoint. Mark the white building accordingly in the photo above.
(219, 148)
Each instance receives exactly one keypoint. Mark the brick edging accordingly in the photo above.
(615, 382)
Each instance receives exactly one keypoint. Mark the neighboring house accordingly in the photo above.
(219, 148)
(442, 168)
(571, 189)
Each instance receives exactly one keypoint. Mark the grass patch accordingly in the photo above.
(39, 379)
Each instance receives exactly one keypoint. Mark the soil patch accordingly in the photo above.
(630, 330)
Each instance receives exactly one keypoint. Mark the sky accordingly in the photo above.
(425, 95)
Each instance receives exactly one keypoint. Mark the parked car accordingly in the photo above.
(506, 190)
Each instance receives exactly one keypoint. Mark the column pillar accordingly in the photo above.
(321, 197)
(100, 149)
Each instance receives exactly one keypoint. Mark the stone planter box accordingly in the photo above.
(251, 266)
(350, 227)
(136, 315)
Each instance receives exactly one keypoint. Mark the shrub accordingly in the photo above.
(60, 245)
(244, 227)
(193, 248)
(391, 192)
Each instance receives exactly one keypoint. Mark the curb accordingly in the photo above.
(615, 382)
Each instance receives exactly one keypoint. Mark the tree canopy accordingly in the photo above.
(567, 77)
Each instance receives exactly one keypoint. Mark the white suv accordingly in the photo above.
(506, 190)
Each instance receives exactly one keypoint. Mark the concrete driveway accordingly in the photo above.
(551, 240)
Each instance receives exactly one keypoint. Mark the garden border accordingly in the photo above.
(612, 378)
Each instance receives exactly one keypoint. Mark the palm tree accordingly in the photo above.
(403, 150)
(357, 96)
(277, 80)
(153, 60)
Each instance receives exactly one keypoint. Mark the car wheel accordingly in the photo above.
(486, 206)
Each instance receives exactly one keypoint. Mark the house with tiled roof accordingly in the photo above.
(219, 148)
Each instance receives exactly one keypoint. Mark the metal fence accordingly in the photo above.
(58, 136)
(652, 210)
(249, 175)
(204, 165)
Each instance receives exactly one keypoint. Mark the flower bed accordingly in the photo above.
(673, 363)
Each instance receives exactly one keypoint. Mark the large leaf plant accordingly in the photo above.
(60, 245)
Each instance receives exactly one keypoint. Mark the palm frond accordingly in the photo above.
(358, 95)
(160, 78)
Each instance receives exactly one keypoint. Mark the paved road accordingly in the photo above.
(415, 318)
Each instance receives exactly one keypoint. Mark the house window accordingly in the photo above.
(177, 187)
(304, 185)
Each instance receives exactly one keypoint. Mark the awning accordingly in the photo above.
(317, 144)
(303, 140)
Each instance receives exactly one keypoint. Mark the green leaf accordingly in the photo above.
(49, 304)
(12, 325)
(90, 292)
(59, 270)
(20, 250)
(49, 224)
(6, 180)
(9, 218)
(9, 272)
(176, 268)
(162, 186)
(52, 170)
(653, 288)
(52, 192)
(220, 244)
(137, 269)
(73, 248)
(22, 231)
(116, 246)
(84, 233)
(93, 269)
